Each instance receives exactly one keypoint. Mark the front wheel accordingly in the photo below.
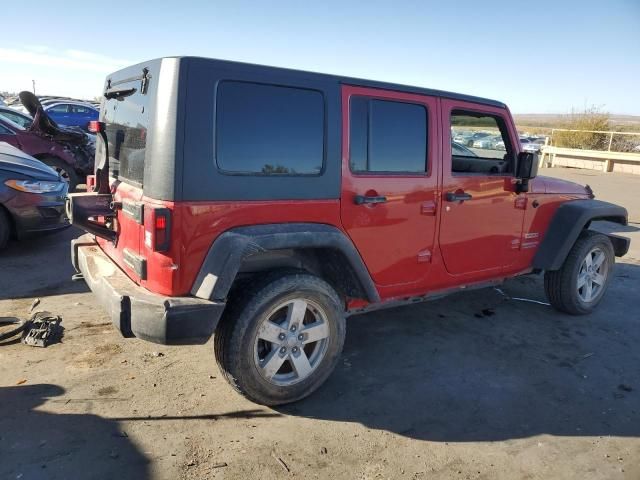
(66, 172)
(578, 287)
(280, 337)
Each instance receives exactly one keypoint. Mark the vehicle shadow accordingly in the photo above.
(483, 366)
(39, 266)
(38, 444)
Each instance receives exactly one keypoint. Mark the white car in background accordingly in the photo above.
(532, 144)
(488, 143)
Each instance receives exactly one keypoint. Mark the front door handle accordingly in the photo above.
(362, 199)
(457, 196)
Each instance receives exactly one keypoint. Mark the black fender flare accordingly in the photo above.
(231, 248)
(570, 219)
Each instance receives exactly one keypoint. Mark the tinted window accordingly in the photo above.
(4, 130)
(79, 109)
(387, 136)
(483, 145)
(269, 130)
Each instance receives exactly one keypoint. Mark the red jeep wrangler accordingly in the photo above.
(266, 205)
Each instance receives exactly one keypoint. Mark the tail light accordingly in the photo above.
(95, 126)
(91, 183)
(157, 229)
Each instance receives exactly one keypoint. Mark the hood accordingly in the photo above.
(558, 186)
(16, 161)
(42, 123)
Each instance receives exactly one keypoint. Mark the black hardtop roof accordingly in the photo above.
(345, 80)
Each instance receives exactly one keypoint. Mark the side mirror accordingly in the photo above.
(526, 169)
(527, 166)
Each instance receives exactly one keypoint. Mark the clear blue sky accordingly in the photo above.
(539, 57)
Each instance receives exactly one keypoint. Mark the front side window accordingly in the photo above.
(480, 144)
(387, 136)
(269, 130)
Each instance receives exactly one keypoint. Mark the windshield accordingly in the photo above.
(18, 119)
(11, 123)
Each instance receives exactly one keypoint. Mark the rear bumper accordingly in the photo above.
(138, 312)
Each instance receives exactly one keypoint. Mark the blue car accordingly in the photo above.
(71, 114)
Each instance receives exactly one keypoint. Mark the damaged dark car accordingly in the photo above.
(68, 150)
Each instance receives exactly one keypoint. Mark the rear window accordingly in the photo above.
(127, 120)
(269, 130)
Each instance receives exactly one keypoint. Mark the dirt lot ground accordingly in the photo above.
(476, 385)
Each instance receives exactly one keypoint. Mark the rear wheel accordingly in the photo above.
(578, 287)
(280, 337)
(5, 228)
(66, 171)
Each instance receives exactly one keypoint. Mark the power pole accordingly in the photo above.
(33, 82)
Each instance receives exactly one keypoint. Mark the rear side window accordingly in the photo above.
(269, 130)
(387, 136)
(62, 108)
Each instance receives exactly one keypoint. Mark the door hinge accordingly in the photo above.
(424, 256)
(521, 203)
(428, 208)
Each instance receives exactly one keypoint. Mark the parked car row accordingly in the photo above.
(68, 150)
(67, 112)
(492, 140)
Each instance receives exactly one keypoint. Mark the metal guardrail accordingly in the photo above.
(605, 159)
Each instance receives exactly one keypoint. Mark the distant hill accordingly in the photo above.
(554, 120)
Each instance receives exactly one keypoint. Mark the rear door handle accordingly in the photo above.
(362, 199)
(457, 196)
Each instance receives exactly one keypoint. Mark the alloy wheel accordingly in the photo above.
(291, 341)
(592, 275)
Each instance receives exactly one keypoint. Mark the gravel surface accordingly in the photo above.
(474, 386)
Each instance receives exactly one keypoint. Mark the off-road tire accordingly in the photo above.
(561, 286)
(62, 166)
(246, 309)
(5, 228)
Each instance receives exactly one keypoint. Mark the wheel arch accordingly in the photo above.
(320, 249)
(570, 219)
